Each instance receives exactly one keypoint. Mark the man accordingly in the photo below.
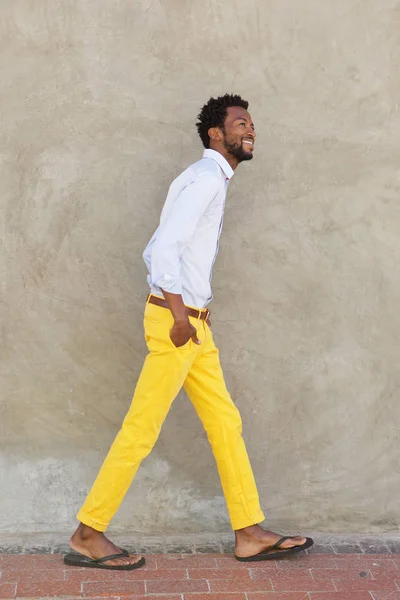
(180, 257)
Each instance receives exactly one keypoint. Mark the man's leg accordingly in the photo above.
(206, 388)
(162, 377)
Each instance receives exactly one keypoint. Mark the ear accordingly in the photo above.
(215, 134)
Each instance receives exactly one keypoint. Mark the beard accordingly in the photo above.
(237, 151)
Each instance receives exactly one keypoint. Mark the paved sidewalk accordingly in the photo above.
(207, 577)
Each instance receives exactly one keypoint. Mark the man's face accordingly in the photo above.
(239, 134)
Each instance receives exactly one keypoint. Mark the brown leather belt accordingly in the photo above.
(203, 315)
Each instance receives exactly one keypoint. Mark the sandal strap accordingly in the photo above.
(279, 542)
(122, 554)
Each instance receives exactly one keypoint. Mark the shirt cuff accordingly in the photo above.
(169, 284)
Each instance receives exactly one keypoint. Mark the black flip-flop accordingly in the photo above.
(80, 560)
(271, 555)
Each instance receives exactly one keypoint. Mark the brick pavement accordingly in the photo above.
(207, 577)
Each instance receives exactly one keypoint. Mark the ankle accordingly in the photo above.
(85, 532)
(246, 532)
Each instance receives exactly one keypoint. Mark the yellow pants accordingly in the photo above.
(165, 371)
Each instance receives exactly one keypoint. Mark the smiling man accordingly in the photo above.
(180, 257)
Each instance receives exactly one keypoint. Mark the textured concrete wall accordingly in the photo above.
(98, 103)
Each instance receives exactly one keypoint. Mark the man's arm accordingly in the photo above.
(176, 231)
(174, 234)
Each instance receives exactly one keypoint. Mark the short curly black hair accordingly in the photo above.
(214, 113)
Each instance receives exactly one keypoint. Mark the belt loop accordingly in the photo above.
(148, 298)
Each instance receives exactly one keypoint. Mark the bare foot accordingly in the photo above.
(253, 540)
(94, 544)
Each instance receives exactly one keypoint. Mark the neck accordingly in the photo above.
(228, 157)
(231, 160)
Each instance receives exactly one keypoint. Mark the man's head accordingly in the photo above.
(226, 126)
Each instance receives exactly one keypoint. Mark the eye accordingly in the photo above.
(244, 124)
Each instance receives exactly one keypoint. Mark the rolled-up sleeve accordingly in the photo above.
(176, 231)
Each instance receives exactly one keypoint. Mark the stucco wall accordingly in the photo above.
(98, 104)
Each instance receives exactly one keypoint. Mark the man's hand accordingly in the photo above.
(182, 332)
(182, 329)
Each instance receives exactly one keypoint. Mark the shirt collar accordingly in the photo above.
(223, 163)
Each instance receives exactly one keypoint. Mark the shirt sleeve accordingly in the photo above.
(176, 231)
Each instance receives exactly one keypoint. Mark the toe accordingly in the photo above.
(126, 560)
(295, 541)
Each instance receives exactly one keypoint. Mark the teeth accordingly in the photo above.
(248, 142)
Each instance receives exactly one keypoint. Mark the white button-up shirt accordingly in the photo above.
(181, 254)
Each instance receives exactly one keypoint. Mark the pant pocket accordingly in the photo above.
(186, 346)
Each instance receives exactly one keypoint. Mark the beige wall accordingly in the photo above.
(98, 104)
